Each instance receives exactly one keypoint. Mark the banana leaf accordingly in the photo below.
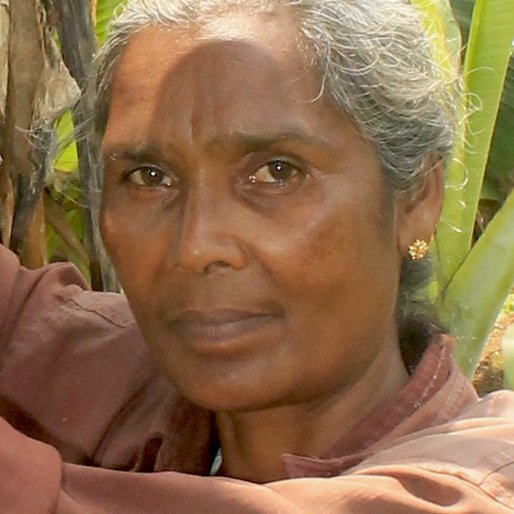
(477, 292)
(473, 282)
(104, 12)
(487, 57)
(499, 178)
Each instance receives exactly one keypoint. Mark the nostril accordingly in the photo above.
(213, 266)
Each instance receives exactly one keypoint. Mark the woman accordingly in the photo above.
(272, 176)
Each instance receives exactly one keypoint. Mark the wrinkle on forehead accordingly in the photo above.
(191, 80)
(275, 33)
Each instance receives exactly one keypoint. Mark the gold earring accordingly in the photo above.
(418, 250)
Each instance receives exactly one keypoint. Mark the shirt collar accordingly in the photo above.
(413, 408)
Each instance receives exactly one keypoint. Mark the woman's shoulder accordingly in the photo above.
(70, 358)
(475, 449)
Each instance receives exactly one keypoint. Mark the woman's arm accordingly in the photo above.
(32, 480)
(466, 465)
(70, 359)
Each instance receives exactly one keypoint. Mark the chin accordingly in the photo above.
(227, 395)
(227, 398)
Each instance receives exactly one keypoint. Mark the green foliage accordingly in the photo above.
(475, 296)
(104, 12)
(501, 160)
(65, 214)
(440, 22)
(485, 64)
(473, 280)
(499, 178)
(66, 159)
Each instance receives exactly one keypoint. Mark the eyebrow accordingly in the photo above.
(248, 143)
(129, 152)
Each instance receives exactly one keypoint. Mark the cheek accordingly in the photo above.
(333, 271)
(333, 244)
(112, 233)
(134, 244)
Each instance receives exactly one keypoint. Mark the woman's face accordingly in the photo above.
(248, 220)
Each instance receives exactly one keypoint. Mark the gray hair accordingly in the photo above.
(375, 60)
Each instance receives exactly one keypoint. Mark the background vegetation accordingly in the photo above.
(49, 181)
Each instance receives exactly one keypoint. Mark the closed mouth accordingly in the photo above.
(210, 328)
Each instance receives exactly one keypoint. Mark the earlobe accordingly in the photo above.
(419, 212)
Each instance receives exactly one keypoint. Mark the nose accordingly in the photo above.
(210, 234)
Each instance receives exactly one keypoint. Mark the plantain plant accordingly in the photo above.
(475, 271)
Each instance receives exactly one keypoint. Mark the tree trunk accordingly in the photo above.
(21, 175)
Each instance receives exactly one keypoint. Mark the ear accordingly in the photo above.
(419, 212)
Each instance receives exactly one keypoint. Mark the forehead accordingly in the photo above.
(156, 49)
(240, 74)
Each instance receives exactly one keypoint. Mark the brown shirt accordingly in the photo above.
(84, 409)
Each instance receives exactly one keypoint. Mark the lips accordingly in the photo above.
(218, 327)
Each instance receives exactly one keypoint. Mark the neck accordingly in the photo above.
(253, 442)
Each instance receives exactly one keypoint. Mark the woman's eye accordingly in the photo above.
(149, 176)
(276, 172)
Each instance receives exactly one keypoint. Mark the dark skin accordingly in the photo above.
(256, 238)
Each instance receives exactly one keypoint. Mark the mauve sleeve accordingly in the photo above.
(70, 359)
(33, 481)
(407, 488)
(27, 292)
(432, 475)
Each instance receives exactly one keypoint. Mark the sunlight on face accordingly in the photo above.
(252, 230)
